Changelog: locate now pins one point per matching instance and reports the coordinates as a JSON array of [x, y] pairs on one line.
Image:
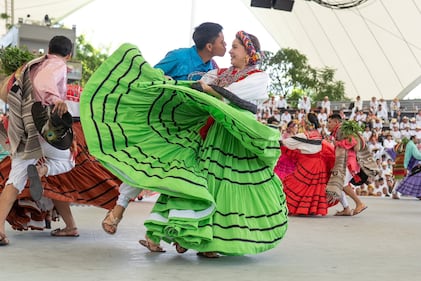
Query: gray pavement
[[382, 243]]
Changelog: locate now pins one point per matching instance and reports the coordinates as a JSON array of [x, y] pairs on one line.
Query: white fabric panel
[[375, 48]]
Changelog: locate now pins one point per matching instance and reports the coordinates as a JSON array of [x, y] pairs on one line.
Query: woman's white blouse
[[253, 88]]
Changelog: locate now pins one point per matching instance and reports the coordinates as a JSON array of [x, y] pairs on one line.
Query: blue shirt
[[179, 63], [411, 152]]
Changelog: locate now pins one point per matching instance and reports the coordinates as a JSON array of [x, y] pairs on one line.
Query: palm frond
[[351, 128]]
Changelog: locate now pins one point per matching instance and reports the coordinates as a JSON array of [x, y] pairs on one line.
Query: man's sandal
[[155, 248], [110, 223], [3, 240], [209, 255], [179, 249], [65, 232]]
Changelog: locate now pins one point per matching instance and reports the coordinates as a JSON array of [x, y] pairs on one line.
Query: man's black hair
[[60, 45], [206, 33], [335, 116], [312, 118], [272, 120]]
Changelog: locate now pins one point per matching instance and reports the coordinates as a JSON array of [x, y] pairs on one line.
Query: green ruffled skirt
[[218, 194]]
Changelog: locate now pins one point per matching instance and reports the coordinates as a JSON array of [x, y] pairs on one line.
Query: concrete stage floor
[[382, 243]]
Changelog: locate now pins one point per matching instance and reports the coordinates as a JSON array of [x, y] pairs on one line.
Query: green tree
[[292, 77], [6, 17], [288, 69], [327, 86], [295, 95], [90, 57], [12, 58]]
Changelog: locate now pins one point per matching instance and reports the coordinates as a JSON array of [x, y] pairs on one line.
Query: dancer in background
[[42, 80], [88, 183], [348, 142], [399, 171], [305, 187], [411, 184], [286, 164]]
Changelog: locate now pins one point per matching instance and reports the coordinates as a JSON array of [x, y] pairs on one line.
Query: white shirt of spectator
[[394, 106], [358, 104], [385, 170], [270, 104], [396, 134], [322, 117], [418, 118], [374, 104], [326, 105], [413, 123], [384, 104], [404, 123], [301, 114], [305, 103], [281, 103], [418, 133], [377, 149], [361, 117], [367, 133], [378, 124], [382, 113], [406, 133], [286, 117], [389, 142]]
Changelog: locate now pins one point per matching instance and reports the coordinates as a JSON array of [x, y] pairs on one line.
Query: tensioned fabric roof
[[375, 47]]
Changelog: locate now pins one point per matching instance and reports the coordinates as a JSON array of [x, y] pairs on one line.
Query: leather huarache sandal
[[151, 246], [3, 240], [65, 232], [209, 255], [179, 249], [110, 223]]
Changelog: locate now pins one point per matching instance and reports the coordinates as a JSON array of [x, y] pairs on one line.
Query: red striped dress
[[305, 187]]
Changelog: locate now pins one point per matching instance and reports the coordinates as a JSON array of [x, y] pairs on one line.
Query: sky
[[415, 93], [157, 27]]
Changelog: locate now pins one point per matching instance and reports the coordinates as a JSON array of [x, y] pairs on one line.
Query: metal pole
[[5, 12], [12, 13]]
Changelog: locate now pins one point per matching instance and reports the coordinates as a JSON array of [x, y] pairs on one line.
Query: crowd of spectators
[[384, 125]]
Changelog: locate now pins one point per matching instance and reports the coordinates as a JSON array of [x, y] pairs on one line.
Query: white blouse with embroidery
[[252, 88]]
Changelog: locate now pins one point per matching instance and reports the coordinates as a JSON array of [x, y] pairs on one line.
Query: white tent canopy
[[375, 47]]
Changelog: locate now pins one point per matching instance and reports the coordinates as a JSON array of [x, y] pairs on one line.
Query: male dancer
[[345, 169], [178, 64]]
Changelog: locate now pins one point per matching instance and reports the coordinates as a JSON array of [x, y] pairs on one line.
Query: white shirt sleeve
[[210, 76], [253, 88]]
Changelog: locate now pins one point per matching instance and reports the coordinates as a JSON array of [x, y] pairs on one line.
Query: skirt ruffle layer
[[87, 183]]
